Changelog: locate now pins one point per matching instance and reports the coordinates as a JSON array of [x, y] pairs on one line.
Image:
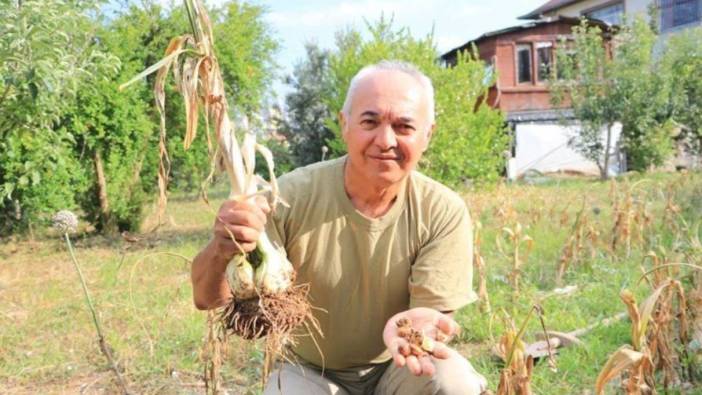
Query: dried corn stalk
[[583, 235], [479, 264], [635, 362], [515, 377], [631, 215], [521, 245]]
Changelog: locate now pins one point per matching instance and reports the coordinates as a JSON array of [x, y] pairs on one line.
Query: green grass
[[143, 295]]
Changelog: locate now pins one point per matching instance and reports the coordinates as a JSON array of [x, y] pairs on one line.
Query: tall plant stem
[[101, 338]]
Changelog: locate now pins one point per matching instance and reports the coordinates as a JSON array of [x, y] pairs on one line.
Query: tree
[[245, 51], [305, 125], [642, 89], [579, 82], [68, 138], [46, 55], [614, 82], [470, 137], [682, 61], [112, 137]]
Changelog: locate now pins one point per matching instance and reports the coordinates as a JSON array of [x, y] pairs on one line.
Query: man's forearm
[[210, 288]]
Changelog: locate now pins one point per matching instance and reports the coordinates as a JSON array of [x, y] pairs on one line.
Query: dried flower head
[[65, 221]]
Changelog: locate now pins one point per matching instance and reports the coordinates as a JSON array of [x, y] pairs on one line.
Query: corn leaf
[[623, 359], [646, 309], [172, 52]]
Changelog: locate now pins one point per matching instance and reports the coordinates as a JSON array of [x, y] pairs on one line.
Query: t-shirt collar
[[354, 215]]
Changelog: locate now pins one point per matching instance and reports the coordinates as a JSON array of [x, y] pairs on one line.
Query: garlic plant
[[265, 273]]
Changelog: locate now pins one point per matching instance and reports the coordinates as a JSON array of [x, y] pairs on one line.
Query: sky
[[295, 22], [454, 22]]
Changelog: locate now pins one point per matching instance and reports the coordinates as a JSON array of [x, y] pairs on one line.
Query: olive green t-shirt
[[361, 270]]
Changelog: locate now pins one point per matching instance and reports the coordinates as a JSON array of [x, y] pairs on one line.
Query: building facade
[[673, 15], [523, 57]]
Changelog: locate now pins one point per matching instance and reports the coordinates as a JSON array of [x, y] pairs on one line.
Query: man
[[375, 240]]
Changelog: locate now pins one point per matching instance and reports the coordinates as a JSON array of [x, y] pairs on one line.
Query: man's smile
[[381, 157]]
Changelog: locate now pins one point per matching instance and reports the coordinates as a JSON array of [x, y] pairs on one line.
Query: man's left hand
[[438, 326]]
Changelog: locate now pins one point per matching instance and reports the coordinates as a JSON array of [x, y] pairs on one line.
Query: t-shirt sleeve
[[442, 274]]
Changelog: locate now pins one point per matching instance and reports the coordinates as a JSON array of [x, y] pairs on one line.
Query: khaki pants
[[454, 376]]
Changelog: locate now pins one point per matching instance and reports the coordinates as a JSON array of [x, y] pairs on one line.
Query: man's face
[[388, 127]]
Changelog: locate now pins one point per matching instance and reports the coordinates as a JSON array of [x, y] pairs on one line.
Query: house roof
[[550, 5], [524, 26]]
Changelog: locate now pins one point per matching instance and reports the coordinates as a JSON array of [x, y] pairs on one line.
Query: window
[[611, 14], [676, 13], [523, 63], [544, 58], [489, 73]]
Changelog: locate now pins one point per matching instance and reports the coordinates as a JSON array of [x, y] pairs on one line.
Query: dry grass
[[143, 295]]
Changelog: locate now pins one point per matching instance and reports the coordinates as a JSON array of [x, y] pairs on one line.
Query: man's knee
[[456, 375], [288, 379]]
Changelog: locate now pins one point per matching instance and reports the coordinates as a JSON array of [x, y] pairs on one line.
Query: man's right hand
[[245, 220]]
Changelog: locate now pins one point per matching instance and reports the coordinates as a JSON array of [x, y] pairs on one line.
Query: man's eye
[[369, 123], [404, 128]]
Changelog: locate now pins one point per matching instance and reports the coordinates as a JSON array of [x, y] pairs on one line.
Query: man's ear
[[342, 122], [430, 133]]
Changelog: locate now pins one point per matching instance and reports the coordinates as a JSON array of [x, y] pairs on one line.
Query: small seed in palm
[[419, 343]]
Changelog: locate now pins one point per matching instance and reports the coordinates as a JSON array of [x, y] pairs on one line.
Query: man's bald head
[[391, 65]]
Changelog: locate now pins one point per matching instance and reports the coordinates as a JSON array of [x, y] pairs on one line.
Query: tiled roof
[[524, 26]]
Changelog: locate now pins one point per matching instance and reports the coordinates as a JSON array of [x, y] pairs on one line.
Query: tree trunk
[[604, 171], [136, 174], [104, 219]]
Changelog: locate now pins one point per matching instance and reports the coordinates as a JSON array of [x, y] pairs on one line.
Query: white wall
[[544, 147], [631, 8]]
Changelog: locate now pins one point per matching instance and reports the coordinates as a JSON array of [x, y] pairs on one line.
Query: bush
[[114, 139]]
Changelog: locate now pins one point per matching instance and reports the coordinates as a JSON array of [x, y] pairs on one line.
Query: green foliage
[[305, 126], [114, 126], [42, 63], [139, 37], [45, 58], [643, 92], [470, 137], [683, 63], [245, 52], [39, 176], [624, 85], [60, 110]]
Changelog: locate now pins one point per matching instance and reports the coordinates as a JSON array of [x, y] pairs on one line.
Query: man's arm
[[440, 282], [442, 273], [210, 288]]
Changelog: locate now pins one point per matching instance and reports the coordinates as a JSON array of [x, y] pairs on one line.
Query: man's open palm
[[432, 323]]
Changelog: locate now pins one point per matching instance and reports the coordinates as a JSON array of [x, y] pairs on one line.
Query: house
[[674, 15], [523, 57]]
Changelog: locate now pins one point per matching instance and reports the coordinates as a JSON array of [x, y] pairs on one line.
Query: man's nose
[[386, 139]]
